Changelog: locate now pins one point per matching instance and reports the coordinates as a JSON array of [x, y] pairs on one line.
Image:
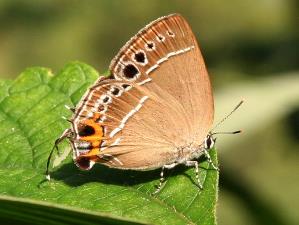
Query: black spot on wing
[[85, 130], [130, 71], [139, 57]]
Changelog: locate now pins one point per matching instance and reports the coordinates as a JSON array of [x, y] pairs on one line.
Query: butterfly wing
[[164, 101], [173, 63], [120, 120]]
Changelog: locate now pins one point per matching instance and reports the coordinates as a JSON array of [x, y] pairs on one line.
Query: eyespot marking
[[170, 33], [139, 57], [101, 108], [83, 163], [160, 38], [150, 46], [85, 130], [130, 71], [106, 99], [126, 87], [115, 91]]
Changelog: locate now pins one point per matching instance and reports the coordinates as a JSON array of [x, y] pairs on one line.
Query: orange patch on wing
[[93, 132], [96, 133], [92, 152]]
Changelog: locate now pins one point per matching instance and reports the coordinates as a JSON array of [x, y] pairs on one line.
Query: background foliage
[[250, 48]]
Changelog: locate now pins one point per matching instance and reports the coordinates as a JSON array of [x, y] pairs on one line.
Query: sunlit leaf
[[31, 108]]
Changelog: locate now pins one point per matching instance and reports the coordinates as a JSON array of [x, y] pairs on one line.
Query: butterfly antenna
[[228, 115], [229, 132]]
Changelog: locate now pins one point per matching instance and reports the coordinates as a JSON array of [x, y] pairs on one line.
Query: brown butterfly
[[154, 110]]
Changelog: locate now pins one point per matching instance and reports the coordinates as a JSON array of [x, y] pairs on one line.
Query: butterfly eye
[[209, 142]]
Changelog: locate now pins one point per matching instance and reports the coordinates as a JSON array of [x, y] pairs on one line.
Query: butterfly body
[[155, 109]]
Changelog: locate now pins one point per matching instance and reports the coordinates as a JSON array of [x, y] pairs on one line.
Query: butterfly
[[154, 110]]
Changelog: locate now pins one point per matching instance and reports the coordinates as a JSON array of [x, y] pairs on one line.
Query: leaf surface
[[31, 108], [26, 211]]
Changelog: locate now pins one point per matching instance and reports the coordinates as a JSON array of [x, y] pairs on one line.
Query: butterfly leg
[[66, 134], [207, 155], [162, 179], [72, 109], [195, 165]]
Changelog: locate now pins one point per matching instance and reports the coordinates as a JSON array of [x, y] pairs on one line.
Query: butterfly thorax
[[188, 152]]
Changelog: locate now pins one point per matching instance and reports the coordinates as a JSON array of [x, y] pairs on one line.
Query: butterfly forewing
[[176, 65], [154, 44]]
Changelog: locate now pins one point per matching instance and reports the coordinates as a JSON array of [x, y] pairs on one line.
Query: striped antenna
[[228, 115]]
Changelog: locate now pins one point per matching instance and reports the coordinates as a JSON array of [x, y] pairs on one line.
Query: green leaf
[[26, 211], [31, 108]]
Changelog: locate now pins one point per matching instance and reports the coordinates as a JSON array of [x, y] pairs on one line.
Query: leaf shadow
[[72, 176]]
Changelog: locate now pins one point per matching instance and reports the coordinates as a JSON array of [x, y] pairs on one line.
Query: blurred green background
[[251, 50]]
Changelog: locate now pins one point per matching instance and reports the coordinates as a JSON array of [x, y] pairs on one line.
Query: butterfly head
[[209, 141]]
